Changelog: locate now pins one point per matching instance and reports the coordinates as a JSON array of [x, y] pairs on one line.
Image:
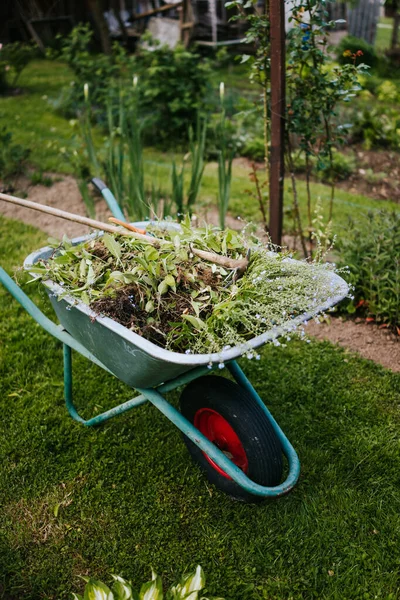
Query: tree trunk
[[96, 8], [117, 11]]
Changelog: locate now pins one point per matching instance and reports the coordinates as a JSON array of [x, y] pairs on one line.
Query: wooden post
[[277, 29], [213, 16], [96, 9]]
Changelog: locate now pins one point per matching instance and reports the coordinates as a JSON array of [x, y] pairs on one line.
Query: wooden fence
[[363, 19]]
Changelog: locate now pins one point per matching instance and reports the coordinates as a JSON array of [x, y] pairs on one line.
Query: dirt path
[[64, 194], [366, 339], [379, 345]]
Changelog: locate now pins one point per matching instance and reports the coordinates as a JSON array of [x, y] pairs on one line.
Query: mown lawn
[[125, 496], [384, 34]]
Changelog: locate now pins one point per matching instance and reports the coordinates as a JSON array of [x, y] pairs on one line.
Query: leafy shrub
[[373, 178], [373, 258], [388, 92], [254, 149], [370, 82], [17, 56], [13, 157], [13, 59], [343, 165], [97, 70], [172, 88], [377, 128], [369, 56], [188, 589]]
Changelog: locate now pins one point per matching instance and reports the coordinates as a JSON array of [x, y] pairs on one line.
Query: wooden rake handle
[[127, 229], [63, 214]]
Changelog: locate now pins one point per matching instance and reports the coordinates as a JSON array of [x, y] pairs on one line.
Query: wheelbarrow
[[227, 428]]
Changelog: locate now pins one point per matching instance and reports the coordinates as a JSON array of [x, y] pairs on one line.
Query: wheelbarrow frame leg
[[156, 398]]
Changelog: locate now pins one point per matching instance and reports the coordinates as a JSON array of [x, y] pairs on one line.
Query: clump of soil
[[124, 307]]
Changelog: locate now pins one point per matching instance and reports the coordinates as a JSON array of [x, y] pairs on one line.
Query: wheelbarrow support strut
[[155, 397]]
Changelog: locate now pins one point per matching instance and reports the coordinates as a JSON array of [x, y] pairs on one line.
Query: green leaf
[[91, 276], [115, 276], [76, 596], [196, 307], [152, 590], [149, 306], [112, 245], [122, 590], [151, 253], [97, 590], [82, 269], [245, 58], [163, 287], [53, 241], [167, 282], [170, 281], [63, 259], [194, 582], [195, 321]]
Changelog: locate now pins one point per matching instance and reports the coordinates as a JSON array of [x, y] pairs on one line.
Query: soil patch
[[63, 194], [377, 175], [379, 345]]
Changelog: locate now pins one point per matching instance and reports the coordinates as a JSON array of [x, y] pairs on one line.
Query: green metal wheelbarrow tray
[[227, 427]]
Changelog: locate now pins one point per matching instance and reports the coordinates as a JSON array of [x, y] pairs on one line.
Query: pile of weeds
[[182, 302]]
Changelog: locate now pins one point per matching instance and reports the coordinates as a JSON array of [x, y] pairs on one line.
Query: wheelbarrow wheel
[[230, 418]]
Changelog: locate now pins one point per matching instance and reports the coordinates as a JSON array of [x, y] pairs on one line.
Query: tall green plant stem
[[197, 146], [295, 197], [259, 196], [309, 215], [325, 119], [333, 183], [225, 158]]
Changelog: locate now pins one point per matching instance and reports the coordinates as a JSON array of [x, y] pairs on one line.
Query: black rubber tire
[[251, 425]]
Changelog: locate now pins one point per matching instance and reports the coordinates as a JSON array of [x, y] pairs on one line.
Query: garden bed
[[377, 174]]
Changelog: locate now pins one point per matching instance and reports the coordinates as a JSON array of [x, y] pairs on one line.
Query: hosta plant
[[189, 588]]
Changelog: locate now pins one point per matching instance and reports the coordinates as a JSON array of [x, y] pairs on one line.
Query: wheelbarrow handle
[[109, 198], [55, 330]]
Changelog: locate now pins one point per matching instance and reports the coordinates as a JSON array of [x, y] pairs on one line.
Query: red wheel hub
[[217, 429]]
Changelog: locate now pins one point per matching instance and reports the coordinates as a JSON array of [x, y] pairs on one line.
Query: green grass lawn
[[30, 118], [384, 33], [125, 496]]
